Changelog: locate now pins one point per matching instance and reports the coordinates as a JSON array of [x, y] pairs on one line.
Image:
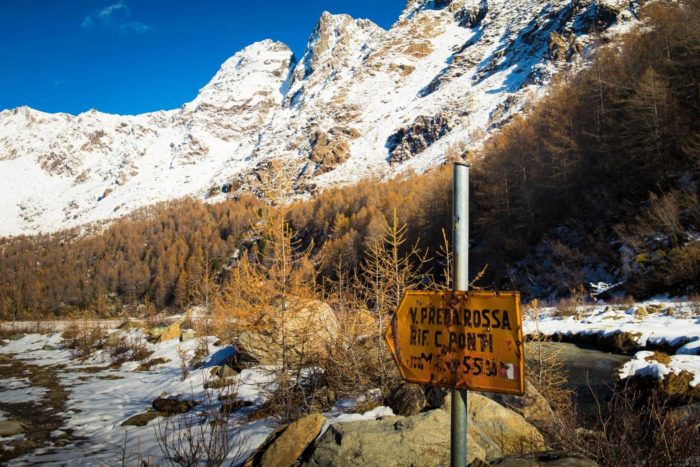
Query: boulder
[[141, 419], [11, 427], [310, 326], [406, 399], [532, 405], [171, 332], [223, 371], [424, 439], [171, 406], [641, 312], [286, 444]]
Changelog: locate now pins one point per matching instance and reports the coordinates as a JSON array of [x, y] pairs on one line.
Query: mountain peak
[[334, 41], [363, 102], [258, 68]]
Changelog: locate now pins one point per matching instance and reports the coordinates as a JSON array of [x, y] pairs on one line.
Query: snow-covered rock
[[332, 117]]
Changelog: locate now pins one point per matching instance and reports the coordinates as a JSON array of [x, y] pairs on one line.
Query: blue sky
[[134, 56]]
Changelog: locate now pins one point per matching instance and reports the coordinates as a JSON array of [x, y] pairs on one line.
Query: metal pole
[[460, 282]]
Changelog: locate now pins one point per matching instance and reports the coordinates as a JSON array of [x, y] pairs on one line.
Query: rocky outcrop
[[470, 16], [414, 139], [558, 46], [329, 151], [423, 439], [532, 405]]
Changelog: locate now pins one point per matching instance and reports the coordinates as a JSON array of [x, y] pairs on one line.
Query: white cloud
[[116, 17]]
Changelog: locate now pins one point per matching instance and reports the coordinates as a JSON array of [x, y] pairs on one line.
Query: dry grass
[[203, 436], [660, 357], [12, 330], [121, 349], [570, 306], [83, 338], [626, 300]]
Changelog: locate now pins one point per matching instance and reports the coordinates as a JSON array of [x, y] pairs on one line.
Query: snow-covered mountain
[[361, 102]]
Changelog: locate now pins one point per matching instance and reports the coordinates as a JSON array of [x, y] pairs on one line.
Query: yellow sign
[[467, 340]]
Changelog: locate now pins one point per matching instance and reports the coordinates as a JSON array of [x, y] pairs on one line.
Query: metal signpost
[[460, 339]]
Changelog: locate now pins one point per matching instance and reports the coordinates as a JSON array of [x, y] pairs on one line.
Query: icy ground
[[652, 324], [101, 398]]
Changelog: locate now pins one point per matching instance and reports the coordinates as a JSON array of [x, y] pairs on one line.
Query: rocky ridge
[[362, 102]]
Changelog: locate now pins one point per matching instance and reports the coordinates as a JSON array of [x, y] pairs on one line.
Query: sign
[[466, 340]]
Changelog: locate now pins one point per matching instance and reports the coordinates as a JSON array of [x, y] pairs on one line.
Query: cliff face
[[361, 102]]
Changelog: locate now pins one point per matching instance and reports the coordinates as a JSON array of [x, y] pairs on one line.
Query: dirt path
[[41, 416]]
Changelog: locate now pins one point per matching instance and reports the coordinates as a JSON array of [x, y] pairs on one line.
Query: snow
[[101, 398], [643, 364], [27, 394], [59, 171], [656, 328], [680, 330]]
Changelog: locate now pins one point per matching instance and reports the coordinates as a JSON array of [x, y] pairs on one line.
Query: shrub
[[83, 338], [126, 349]]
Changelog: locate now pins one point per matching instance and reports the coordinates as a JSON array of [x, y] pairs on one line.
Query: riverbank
[[662, 336]]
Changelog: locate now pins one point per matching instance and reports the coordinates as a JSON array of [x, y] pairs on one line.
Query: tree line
[[602, 172]]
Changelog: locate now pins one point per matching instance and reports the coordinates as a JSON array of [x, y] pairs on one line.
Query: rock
[[146, 366], [219, 383], [686, 413], [172, 406], [532, 405], [171, 332], [471, 16], [424, 439], [14, 337], [305, 318], [242, 360], [187, 335], [641, 312], [11, 427], [155, 332], [286, 444], [406, 399], [141, 419], [328, 151], [48, 347], [558, 46], [422, 133], [549, 458], [229, 406], [323, 399], [434, 397]]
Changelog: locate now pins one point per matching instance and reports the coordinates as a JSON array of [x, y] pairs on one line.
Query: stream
[[590, 373]]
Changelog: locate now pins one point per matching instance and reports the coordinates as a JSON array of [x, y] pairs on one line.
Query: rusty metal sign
[[466, 340]]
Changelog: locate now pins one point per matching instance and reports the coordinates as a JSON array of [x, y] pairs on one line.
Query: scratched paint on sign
[[468, 340]]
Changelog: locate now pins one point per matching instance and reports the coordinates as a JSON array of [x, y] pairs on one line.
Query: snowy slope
[[361, 102]]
